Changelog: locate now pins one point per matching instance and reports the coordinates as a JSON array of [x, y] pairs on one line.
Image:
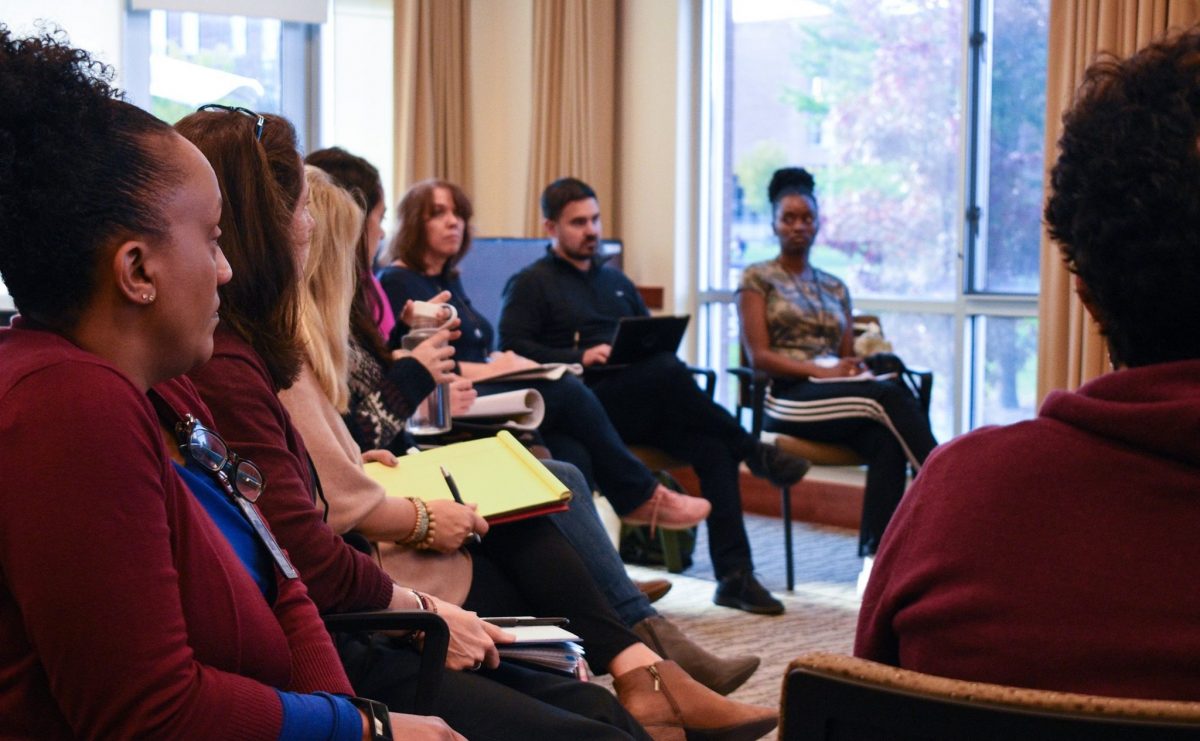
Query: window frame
[[971, 305], [299, 48]]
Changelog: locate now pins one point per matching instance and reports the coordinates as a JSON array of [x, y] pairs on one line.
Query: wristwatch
[[380, 723]]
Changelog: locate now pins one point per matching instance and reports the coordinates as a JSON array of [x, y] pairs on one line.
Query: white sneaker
[[864, 576]]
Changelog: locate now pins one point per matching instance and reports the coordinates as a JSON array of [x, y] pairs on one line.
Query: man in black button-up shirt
[[564, 308]]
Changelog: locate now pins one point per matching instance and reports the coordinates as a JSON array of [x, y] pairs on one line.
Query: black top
[[553, 311], [402, 284]]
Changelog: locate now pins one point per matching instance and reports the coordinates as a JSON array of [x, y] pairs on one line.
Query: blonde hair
[[329, 284]]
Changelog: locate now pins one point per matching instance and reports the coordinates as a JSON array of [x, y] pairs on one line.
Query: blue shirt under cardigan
[[316, 717]]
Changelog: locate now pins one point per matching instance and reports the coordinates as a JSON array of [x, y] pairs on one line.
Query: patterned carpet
[[821, 612]]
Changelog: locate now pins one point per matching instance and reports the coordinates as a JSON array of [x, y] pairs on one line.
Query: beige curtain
[[1070, 348], [574, 101], [432, 81]]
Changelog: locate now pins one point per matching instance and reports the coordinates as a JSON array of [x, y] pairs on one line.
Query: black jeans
[[577, 430], [511, 703], [529, 568], [848, 424], [657, 402]]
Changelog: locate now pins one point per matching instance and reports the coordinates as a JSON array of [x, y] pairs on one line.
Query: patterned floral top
[[806, 314]]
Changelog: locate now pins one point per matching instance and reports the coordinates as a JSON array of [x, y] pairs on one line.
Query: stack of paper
[[547, 646]]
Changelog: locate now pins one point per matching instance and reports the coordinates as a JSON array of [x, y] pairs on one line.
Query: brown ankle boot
[[668, 641], [663, 696]]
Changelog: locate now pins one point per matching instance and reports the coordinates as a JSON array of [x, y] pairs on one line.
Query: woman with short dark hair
[[797, 327]]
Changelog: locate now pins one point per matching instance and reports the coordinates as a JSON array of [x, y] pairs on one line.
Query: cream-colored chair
[[830, 696]]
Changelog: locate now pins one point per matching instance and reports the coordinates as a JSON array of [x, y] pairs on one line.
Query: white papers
[[522, 409], [544, 645], [540, 633], [546, 371], [864, 376]]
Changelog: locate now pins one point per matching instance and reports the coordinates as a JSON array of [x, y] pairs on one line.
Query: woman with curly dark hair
[[139, 599], [1056, 553]]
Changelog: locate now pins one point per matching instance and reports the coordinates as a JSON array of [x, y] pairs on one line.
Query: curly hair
[[416, 207], [260, 182], [1125, 203], [80, 171]]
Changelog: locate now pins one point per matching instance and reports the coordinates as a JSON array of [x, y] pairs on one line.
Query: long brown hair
[[416, 207], [261, 182]]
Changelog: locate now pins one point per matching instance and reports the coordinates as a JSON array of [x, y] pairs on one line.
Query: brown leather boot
[[662, 696], [654, 589], [668, 641]]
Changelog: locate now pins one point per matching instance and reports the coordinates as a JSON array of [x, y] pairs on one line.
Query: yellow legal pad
[[497, 473]]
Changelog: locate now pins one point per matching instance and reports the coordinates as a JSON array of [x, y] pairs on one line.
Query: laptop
[[639, 337]]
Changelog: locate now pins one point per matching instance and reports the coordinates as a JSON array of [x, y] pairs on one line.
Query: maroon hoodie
[[1059, 553]]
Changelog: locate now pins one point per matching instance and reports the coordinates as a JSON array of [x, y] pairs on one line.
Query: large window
[[178, 60], [923, 123]]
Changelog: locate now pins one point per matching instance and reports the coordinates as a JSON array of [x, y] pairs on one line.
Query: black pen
[[457, 497], [502, 622]]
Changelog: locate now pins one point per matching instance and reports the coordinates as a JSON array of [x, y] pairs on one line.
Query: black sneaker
[[741, 591], [768, 462]]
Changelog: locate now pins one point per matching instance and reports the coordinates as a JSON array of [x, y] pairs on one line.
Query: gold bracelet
[[427, 542], [421, 522]]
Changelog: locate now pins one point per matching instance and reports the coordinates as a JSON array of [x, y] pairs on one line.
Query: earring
[[148, 298]]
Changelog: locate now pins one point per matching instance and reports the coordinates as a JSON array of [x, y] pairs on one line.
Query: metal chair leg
[[786, 495]]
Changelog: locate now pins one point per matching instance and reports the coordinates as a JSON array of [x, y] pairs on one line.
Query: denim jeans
[[582, 528]]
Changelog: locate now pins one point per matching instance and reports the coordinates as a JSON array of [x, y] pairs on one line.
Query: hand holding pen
[[474, 536]]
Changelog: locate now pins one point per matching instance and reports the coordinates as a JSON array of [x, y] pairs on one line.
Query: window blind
[[299, 11]]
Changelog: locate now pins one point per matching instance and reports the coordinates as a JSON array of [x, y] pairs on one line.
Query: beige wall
[[95, 25], [654, 163], [655, 160], [501, 113]]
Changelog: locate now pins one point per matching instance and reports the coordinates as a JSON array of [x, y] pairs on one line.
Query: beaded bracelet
[[427, 542], [421, 523]]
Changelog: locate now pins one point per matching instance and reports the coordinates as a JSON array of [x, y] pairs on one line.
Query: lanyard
[[174, 422]]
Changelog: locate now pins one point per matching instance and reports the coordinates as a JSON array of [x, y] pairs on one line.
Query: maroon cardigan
[[123, 610], [237, 388]]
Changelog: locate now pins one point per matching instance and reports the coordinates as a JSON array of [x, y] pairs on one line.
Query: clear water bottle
[[432, 415]]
